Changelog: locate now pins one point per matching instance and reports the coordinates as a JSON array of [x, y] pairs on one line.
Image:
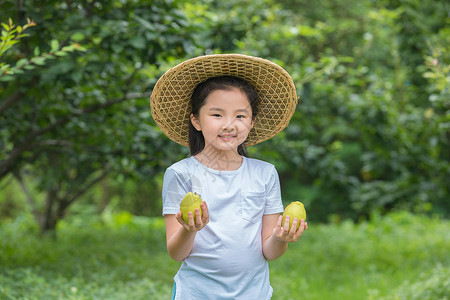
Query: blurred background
[[367, 150]]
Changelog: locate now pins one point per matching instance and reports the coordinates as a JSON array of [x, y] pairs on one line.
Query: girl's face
[[225, 120]]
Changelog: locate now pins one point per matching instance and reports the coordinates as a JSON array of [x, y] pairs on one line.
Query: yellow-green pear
[[295, 209], [190, 202]]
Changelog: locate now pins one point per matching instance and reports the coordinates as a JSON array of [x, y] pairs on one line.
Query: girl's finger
[[286, 224], [205, 212], [198, 218], [301, 229], [278, 226], [191, 220], [294, 225]]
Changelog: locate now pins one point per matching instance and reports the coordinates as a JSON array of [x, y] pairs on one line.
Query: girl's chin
[[225, 144]]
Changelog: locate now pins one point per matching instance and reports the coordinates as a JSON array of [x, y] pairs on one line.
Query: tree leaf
[[22, 62], [36, 51], [77, 36], [54, 44], [38, 60], [5, 26]]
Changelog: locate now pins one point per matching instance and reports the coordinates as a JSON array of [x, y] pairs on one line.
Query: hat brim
[[171, 96]]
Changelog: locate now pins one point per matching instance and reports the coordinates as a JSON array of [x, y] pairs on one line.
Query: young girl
[[217, 105]]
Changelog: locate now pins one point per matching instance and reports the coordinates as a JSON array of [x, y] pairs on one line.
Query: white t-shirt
[[226, 261]]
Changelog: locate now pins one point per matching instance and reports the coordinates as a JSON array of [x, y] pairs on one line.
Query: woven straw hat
[[170, 99]]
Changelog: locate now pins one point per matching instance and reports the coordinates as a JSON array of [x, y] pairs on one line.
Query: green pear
[[295, 209], [190, 202]]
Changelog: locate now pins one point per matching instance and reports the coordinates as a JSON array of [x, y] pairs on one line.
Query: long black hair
[[198, 99]]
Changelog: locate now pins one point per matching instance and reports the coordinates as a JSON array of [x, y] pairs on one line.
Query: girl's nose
[[228, 125]]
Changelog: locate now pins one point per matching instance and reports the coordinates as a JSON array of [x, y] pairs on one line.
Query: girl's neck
[[220, 160]]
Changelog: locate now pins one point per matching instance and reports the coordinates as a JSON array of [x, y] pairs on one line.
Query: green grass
[[399, 256], [365, 261]]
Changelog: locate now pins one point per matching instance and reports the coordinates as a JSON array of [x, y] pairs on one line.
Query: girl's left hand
[[286, 235]]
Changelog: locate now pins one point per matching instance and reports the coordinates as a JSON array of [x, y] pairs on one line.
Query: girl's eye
[[240, 116], [216, 115]]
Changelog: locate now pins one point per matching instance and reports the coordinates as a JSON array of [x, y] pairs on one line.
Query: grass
[[365, 261], [399, 256]]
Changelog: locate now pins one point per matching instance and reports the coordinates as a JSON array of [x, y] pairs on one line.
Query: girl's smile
[[227, 137]]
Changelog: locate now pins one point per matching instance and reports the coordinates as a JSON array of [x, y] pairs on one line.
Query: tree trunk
[[48, 221]]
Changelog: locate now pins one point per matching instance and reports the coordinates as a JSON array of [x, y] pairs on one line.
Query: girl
[[217, 105]]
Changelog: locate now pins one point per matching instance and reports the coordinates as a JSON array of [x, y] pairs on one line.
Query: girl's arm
[[180, 236], [275, 238]]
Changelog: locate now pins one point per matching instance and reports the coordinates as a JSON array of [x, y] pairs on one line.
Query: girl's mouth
[[227, 137]]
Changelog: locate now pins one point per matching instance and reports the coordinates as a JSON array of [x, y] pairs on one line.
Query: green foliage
[[85, 116], [11, 36], [370, 260], [431, 285], [38, 287], [120, 256], [370, 133], [117, 257]]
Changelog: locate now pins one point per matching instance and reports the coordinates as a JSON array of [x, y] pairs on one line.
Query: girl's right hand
[[200, 221]]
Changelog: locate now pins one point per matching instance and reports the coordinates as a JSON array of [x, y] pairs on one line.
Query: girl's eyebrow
[[221, 109], [216, 108]]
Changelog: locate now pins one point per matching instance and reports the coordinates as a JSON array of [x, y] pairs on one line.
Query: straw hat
[[170, 99]]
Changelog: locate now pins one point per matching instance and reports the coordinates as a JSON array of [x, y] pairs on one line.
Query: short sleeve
[[274, 203], [173, 191]]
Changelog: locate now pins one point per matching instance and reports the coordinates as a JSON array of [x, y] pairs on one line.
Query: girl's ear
[[195, 122]]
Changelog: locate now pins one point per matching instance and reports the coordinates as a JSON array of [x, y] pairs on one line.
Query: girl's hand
[[286, 235], [196, 222]]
